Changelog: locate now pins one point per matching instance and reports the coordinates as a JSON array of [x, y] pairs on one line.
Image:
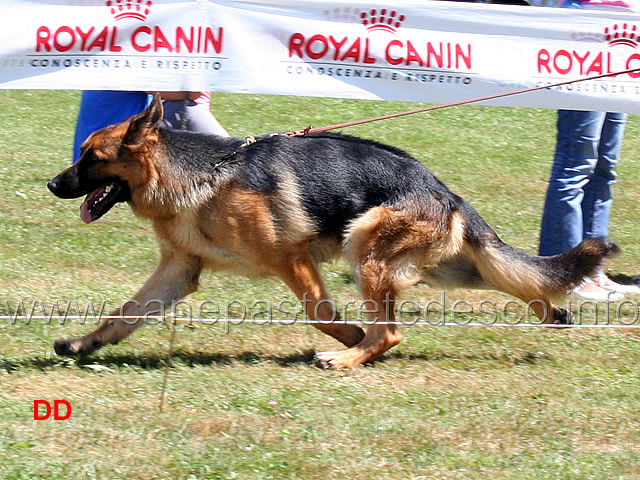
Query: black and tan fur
[[281, 205]]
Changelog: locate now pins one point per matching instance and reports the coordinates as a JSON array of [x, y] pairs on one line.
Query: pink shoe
[[591, 290]]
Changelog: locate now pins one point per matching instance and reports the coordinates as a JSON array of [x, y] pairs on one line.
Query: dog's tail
[[534, 278]]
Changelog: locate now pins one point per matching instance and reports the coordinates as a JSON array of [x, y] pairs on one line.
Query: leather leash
[[308, 130]]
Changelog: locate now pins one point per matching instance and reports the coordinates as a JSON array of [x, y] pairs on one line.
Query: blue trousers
[[101, 108], [579, 196]]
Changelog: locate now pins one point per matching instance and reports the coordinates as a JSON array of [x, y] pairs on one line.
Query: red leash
[[300, 133]]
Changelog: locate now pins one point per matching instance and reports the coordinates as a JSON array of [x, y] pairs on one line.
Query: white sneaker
[[605, 282], [589, 289]]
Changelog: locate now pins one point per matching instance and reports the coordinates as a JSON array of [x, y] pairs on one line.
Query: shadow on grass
[[518, 358], [180, 358], [153, 361]]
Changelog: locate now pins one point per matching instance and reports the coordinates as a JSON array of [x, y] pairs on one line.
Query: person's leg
[[598, 193], [574, 161]]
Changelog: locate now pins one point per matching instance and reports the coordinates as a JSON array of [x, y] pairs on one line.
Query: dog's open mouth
[[99, 202]]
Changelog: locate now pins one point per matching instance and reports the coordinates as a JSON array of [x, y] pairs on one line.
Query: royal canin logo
[[200, 39], [383, 19], [622, 34], [193, 39], [137, 9], [587, 61], [359, 49]]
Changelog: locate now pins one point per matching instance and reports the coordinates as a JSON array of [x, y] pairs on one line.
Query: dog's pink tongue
[[85, 215], [90, 202]]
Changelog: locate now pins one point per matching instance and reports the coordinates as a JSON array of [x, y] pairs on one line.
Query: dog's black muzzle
[[67, 184], [54, 185]]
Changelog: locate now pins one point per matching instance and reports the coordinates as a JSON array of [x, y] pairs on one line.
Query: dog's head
[[115, 162]]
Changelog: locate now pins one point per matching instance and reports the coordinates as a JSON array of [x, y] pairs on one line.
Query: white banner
[[403, 50]]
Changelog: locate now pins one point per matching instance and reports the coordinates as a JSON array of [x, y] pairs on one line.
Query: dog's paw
[[321, 363], [325, 360], [337, 360], [70, 347], [63, 348], [562, 316]]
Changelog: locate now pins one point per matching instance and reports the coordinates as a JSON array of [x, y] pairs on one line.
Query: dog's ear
[[145, 124]]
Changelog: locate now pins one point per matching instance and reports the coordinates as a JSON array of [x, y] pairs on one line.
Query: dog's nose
[[53, 184]]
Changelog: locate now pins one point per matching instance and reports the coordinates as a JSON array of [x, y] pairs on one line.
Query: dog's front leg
[[175, 277]]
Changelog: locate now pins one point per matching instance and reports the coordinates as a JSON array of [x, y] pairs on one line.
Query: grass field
[[246, 401]]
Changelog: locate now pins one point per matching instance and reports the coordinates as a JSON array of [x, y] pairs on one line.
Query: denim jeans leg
[[573, 165], [598, 193]]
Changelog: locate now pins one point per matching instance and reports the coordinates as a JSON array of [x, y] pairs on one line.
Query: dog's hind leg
[[175, 277], [387, 248], [301, 275], [381, 334]]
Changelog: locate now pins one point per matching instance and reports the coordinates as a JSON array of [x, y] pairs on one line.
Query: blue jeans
[[579, 196]]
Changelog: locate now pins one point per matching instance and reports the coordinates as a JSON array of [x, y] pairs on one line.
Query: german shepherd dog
[[284, 204]]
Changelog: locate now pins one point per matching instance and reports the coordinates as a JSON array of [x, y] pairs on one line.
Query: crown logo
[[138, 9], [622, 34], [383, 19]]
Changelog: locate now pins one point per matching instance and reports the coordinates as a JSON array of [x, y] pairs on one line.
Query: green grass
[[247, 402]]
